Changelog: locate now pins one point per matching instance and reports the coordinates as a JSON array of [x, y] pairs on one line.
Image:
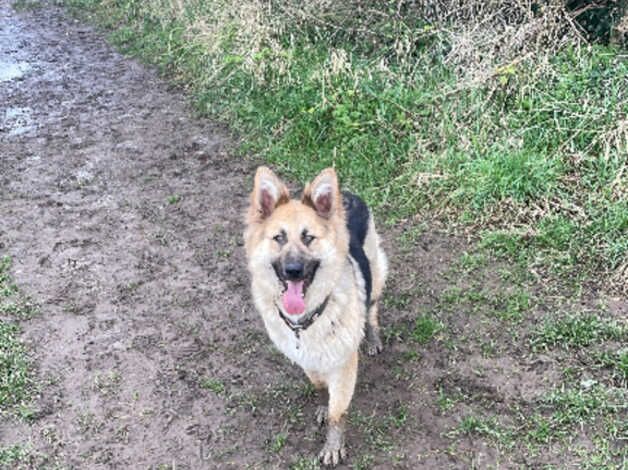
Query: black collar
[[305, 322]]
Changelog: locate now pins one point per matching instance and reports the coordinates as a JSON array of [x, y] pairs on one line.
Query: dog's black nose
[[294, 270]]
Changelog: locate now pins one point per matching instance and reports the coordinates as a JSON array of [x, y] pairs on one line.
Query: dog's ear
[[268, 193], [323, 194]]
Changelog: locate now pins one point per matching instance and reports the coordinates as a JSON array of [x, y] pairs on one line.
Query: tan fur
[[328, 349]]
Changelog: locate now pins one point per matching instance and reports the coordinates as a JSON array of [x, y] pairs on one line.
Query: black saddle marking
[[358, 224]]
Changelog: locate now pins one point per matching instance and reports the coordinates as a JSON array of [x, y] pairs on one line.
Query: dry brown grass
[[478, 39]]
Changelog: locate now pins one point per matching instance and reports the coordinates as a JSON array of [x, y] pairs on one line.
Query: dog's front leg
[[320, 385], [341, 384]]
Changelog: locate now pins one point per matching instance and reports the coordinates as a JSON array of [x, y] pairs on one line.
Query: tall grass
[[495, 116]]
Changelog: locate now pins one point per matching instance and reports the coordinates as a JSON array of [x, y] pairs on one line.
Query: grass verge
[[534, 152], [15, 374]]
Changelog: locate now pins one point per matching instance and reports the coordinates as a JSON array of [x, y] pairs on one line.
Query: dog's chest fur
[[333, 336]]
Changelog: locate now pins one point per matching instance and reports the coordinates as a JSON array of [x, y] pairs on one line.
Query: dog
[[317, 272]]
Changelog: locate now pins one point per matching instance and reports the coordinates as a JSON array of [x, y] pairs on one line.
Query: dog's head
[[296, 248]]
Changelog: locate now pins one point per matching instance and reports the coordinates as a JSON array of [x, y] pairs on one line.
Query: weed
[[11, 456], [617, 361], [515, 305], [397, 300], [107, 383], [501, 243], [21, 5], [363, 462], [446, 401], [425, 328], [305, 464], [277, 443], [488, 348], [13, 303], [541, 430], [376, 429], [472, 261], [14, 367], [410, 237], [570, 406], [400, 415], [395, 331], [410, 356], [451, 295], [487, 427], [215, 385]]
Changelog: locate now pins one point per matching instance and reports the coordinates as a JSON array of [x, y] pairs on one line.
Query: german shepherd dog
[[317, 272]]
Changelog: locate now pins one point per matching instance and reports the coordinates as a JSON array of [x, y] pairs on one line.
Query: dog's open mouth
[[293, 298], [293, 295]]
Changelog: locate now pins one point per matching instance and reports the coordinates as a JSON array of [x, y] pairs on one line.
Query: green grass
[[13, 303], [617, 361], [277, 443], [15, 376], [14, 367], [471, 261], [446, 401], [174, 199], [305, 464], [575, 406], [11, 456], [490, 155], [484, 427], [376, 430], [425, 328], [513, 306], [557, 414], [563, 411], [510, 305], [577, 331], [25, 5], [215, 385]]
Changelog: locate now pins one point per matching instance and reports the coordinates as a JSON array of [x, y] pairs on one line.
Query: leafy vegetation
[[14, 377], [535, 148], [578, 330], [425, 328], [15, 380]]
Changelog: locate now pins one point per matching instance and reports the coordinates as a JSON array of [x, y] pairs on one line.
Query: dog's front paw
[[333, 451], [321, 415], [374, 346]]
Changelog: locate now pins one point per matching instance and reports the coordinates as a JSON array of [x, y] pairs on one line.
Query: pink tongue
[[293, 298]]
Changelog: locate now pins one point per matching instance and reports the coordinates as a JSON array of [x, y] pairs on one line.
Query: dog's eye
[[280, 237], [306, 238]]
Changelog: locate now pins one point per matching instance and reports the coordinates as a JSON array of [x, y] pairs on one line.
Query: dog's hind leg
[[379, 271], [373, 341], [341, 384]]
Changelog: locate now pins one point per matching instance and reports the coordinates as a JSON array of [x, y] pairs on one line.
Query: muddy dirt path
[[122, 213]]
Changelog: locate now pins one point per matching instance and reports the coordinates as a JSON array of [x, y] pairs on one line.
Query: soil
[[122, 213]]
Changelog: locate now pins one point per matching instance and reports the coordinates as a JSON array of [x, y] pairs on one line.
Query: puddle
[[17, 121], [13, 70]]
